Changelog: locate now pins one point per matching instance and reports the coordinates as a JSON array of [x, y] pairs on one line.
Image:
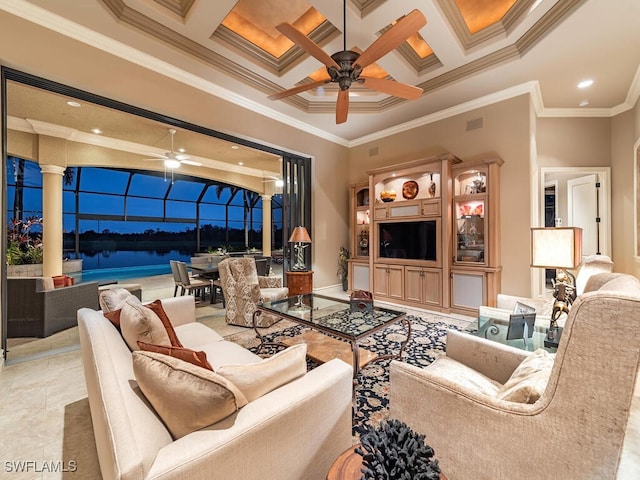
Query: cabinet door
[[413, 284], [468, 290], [432, 286], [380, 212], [396, 282], [359, 276], [380, 280]]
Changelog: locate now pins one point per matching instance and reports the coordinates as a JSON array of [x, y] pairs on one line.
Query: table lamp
[[300, 238], [559, 248]]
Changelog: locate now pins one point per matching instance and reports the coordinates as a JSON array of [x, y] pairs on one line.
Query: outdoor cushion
[[138, 322]]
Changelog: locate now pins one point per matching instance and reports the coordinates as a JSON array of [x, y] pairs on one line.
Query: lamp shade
[[556, 247], [300, 235]]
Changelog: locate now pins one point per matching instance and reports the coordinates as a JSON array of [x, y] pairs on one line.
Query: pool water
[[104, 275]]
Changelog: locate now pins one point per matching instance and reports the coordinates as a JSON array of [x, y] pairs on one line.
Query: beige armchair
[[243, 288], [591, 264], [575, 430]]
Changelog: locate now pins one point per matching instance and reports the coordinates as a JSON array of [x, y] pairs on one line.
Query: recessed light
[[585, 83], [583, 103], [240, 163], [235, 147], [393, 174], [73, 104], [97, 131], [181, 150]]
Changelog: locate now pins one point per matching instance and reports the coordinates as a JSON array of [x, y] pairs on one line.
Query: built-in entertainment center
[[425, 233]]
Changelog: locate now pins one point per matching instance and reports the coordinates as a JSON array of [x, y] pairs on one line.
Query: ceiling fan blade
[[342, 106], [398, 33], [308, 45], [191, 162], [392, 87], [298, 89]]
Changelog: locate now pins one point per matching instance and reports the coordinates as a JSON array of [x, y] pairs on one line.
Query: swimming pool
[[120, 273]]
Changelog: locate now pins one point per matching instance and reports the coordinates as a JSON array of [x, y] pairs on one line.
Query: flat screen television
[[411, 240]]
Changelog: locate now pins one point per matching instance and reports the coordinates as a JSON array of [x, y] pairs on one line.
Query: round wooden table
[[347, 466]]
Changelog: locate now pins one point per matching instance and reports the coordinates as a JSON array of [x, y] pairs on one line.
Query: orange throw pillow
[[114, 317], [196, 358], [156, 307]]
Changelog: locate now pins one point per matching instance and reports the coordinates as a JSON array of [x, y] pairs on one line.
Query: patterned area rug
[[428, 337]]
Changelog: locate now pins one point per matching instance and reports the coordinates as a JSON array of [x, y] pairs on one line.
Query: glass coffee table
[[493, 324], [337, 323]]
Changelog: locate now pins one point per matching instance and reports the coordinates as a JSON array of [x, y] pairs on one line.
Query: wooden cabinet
[[388, 281], [299, 283], [475, 266], [432, 233], [423, 285]]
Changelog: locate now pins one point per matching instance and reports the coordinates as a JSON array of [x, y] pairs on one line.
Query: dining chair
[[176, 277], [192, 284]]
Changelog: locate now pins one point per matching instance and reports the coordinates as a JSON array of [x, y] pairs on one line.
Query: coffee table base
[[322, 348]]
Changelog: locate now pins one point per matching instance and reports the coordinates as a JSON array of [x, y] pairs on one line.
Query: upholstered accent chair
[[591, 264], [243, 288], [577, 426]]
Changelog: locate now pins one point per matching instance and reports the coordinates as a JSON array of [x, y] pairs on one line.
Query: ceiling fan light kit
[[345, 67]]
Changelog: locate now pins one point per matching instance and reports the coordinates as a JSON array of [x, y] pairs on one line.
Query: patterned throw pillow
[[138, 322], [257, 379], [186, 397], [195, 358], [529, 380]]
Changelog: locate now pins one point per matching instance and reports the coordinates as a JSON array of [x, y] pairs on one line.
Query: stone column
[[52, 219], [266, 225]]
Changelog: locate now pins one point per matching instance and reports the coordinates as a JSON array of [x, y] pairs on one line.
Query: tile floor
[[45, 424]]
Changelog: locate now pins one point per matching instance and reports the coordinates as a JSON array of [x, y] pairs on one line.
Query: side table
[[299, 283]]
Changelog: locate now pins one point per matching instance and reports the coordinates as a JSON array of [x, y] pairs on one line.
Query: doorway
[[576, 197]]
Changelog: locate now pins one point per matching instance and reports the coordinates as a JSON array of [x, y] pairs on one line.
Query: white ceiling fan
[[173, 160]]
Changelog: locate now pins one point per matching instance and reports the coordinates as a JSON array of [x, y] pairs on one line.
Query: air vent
[[373, 151], [475, 124]]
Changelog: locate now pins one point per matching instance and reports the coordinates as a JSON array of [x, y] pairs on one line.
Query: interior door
[[582, 211]]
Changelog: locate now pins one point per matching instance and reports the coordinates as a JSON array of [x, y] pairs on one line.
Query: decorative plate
[[409, 190]]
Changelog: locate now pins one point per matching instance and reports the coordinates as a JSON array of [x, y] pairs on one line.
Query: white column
[[52, 219], [266, 225]]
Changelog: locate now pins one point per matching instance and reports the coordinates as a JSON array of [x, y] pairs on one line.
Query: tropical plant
[[23, 246], [343, 265]]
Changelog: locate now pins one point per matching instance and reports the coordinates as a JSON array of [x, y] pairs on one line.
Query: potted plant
[[23, 246], [394, 451], [343, 266]]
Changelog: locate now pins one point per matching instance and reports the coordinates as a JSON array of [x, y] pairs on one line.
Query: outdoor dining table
[[204, 270]]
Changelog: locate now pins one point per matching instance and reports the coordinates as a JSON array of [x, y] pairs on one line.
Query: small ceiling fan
[[173, 160], [346, 67]]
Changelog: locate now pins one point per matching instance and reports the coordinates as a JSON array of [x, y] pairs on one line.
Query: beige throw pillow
[[186, 397], [529, 380], [139, 323], [114, 298], [257, 379]]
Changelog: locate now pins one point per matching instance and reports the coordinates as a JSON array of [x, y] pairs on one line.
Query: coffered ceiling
[[470, 53]]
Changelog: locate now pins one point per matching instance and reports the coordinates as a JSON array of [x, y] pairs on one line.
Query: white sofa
[[293, 432]]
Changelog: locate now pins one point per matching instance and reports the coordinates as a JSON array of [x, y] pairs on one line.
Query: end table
[[299, 282]]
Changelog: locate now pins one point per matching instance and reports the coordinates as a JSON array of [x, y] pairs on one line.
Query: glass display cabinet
[[475, 268]]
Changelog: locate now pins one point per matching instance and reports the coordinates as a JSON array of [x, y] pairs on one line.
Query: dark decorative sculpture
[[393, 451]]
